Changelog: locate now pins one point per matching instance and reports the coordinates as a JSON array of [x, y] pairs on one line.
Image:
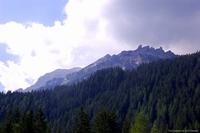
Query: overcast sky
[[39, 36]]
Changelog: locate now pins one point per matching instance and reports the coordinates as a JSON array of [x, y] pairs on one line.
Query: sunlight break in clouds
[[77, 41]]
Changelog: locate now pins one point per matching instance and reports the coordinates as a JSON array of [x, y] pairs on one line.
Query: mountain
[[58, 74], [126, 60], [167, 91]]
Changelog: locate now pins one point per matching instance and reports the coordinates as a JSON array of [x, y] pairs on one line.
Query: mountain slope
[[127, 60], [168, 91], [57, 74]]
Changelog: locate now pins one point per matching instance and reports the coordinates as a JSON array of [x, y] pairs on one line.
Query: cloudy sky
[[39, 36]]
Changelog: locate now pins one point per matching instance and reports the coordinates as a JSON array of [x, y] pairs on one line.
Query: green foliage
[[24, 122], [82, 125], [8, 122], [141, 124], [126, 126], [40, 123], [154, 129], [105, 122], [168, 91]]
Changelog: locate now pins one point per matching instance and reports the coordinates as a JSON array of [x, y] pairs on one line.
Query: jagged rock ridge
[[126, 60]]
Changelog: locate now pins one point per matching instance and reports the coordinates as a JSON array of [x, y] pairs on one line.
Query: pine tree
[[16, 128], [23, 124], [30, 121], [126, 126], [154, 129], [17, 115], [105, 122], [27, 122], [141, 124], [8, 122], [113, 123], [58, 130], [82, 125], [40, 123]]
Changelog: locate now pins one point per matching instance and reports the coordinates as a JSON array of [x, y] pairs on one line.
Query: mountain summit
[[131, 59], [126, 60]]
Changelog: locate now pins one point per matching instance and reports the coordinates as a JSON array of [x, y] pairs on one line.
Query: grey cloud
[[91, 25], [154, 22]]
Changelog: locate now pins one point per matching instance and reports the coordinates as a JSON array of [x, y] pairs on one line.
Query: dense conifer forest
[[156, 97]]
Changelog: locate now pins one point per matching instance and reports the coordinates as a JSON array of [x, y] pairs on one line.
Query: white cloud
[[93, 29], [12, 76], [77, 41]]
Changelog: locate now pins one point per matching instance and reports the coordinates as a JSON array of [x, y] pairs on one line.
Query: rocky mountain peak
[[126, 60]]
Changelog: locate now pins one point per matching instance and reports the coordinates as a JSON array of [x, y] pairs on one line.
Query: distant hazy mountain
[[126, 60], [58, 74]]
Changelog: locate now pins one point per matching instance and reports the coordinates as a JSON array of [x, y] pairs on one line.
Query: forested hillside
[[167, 91]]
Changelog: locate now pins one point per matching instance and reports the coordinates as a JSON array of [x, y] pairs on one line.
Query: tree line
[[26, 122], [166, 91], [105, 122]]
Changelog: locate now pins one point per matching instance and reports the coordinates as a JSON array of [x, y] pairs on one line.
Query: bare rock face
[[47, 80], [127, 60]]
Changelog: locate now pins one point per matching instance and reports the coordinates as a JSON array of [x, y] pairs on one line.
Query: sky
[[39, 36]]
